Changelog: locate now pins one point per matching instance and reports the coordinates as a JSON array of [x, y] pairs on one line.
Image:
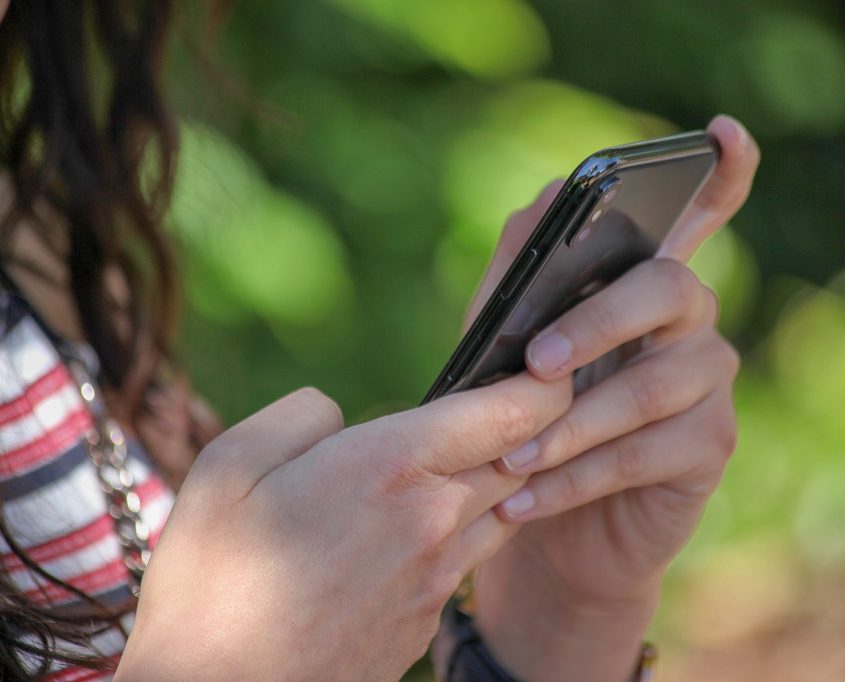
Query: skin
[[626, 472], [302, 550], [267, 564]]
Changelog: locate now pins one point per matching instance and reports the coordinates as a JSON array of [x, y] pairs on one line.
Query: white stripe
[[85, 560], [155, 513], [11, 384], [25, 356], [45, 415], [59, 508], [71, 503]]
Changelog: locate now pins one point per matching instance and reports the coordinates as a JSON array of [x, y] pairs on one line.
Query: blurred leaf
[[791, 68], [488, 38], [819, 518], [808, 349], [526, 136], [260, 247]]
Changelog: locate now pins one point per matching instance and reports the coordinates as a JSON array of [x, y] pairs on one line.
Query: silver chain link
[[107, 450]]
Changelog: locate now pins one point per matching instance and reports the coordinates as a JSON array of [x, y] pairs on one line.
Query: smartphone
[[612, 213]]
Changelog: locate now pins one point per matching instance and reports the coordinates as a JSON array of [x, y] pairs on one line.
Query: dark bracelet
[[469, 659]]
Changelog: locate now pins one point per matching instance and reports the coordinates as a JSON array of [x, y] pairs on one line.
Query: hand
[[626, 472], [301, 550]]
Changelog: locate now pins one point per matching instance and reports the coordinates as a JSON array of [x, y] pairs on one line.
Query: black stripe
[[114, 597], [12, 310], [51, 472]]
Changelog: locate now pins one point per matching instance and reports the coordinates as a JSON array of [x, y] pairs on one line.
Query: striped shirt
[[51, 498]]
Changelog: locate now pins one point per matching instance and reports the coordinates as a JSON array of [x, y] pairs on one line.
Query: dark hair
[[107, 172]]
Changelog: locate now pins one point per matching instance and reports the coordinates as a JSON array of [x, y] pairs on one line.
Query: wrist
[[567, 639]]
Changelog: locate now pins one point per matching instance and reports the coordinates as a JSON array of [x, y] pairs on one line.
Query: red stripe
[[76, 674], [63, 545], [150, 490], [48, 446], [84, 537], [56, 379], [155, 536], [112, 575]]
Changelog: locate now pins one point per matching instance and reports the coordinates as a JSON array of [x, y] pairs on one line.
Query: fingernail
[[742, 135], [519, 458], [550, 352], [519, 503]]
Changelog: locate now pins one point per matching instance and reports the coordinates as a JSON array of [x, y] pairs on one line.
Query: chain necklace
[[107, 450]]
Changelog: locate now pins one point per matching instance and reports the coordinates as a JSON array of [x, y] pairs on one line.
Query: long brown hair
[[107, 170]]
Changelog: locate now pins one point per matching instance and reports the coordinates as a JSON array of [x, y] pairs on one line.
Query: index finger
[[470, 428], [656, 295]]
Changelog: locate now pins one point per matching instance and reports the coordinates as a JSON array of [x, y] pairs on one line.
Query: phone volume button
[[527, 260]]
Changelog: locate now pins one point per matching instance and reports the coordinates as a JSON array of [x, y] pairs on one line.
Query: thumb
[[723, 194]]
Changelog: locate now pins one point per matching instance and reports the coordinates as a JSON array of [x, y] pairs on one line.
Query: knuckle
[[435, 537], [518, 223], [571, 486], [710, 303], [603, 319], [513, 422], [725, 431], [630, 463], [677, 280], [515, 218], [217, 459], [568, 440], [320, 404], [437, 591], [394, 478], [649, 395], [733, 360]]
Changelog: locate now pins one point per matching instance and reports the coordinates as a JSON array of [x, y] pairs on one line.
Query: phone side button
[[527, 260]]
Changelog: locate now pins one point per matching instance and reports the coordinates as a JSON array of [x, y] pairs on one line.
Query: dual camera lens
[[608, 193]]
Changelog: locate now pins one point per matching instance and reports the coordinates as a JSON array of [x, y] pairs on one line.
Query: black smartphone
[[612, 213]]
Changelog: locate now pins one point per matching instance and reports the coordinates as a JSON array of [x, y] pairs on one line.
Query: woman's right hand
[[301, 550]]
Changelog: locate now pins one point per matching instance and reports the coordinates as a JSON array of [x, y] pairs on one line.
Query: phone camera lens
[[598, 214], [609, 196]]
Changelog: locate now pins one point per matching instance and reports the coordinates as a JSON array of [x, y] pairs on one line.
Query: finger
[[660, 296], [688, 451], [279, 433], [464, 430], [479, 541], [518, 228], [651, 389], [479, 490], [723, 194]]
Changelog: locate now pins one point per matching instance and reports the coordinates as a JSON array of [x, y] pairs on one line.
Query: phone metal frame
[[560, 222]]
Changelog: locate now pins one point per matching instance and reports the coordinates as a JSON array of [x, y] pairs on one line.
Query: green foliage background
[[339, 246]]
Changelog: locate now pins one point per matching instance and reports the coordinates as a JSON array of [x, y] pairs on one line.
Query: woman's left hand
[[620, 481]]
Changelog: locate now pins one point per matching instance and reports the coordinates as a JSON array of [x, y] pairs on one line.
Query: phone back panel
[[587, 254]]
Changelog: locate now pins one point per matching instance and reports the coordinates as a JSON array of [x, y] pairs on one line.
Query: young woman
[[297, 548]]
